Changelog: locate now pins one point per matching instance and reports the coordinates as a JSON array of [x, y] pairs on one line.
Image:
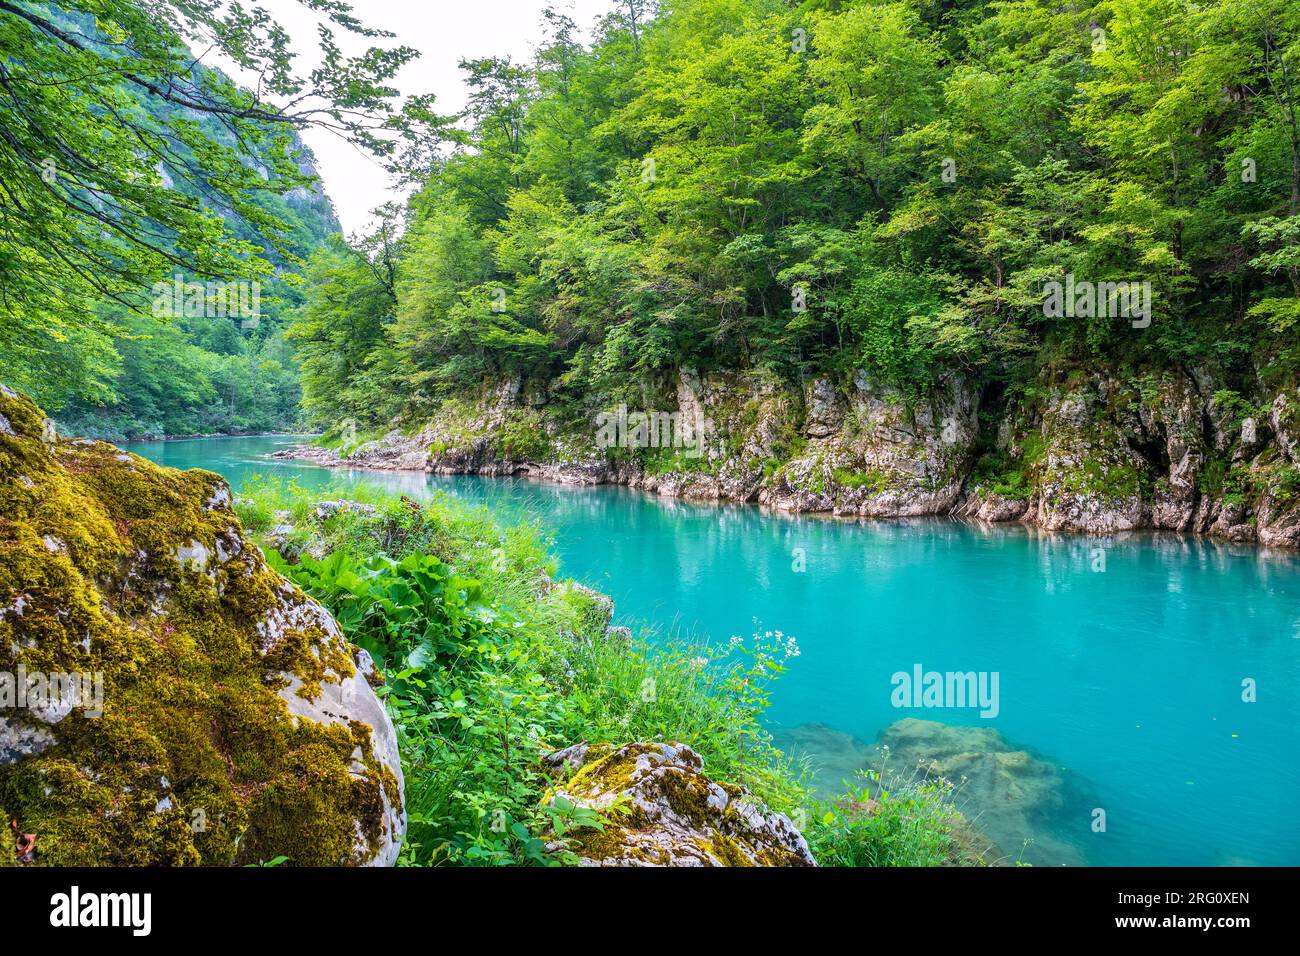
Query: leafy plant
[[873, 825], [487, 667]]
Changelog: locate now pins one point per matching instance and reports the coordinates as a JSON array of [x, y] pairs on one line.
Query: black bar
[[306, 906]]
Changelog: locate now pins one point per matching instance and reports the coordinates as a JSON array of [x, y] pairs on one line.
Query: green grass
[[999, 474], [523, 438], [1222, 480], [882, 821]]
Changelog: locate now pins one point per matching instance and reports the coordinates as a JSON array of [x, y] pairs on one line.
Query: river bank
[[1093, 455]]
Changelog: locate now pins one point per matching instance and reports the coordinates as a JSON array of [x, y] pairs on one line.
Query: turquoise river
[[1125, 667]]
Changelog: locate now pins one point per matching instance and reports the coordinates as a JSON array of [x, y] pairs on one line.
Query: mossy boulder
[[230, 721], [663, 811]]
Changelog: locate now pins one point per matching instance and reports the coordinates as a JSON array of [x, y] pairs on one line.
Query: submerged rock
[[666, 812], [838, 765], [833, 758], [1022, 803], [1026, 806], [229, 722]]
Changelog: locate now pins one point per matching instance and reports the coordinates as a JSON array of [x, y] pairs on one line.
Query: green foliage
[[887, 823], [187, 376], [126, 163], [488, 666], [710, 696], [522, 438], [1222, 480], [1234, 408], [663, 461], [998, 474], [875, 185], [874, 481]]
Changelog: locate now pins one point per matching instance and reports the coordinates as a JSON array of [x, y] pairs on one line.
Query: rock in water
[[671, 813], [208, 711], [1024, 804]]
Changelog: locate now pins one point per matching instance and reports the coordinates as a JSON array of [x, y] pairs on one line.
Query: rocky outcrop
[[876, 454], [1094, 452], [663, 811], [206, 710], [1088, 477]]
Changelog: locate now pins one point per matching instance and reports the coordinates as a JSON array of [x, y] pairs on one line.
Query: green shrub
[[1220, 479], [1284, 483], [488, 666], [876, 481], [872, 825], [663, 461], [522, 438], [999, 474]]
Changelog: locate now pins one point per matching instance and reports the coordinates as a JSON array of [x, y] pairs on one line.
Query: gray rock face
[[990, 507], [1284, 417], [1088, 479], [875, 454], [670, 813], [1020, 801], [1098, 453], [825, 408], [343, 702]]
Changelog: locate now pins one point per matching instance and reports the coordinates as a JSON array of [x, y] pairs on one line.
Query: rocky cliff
[[1095, 452], [165, 697]]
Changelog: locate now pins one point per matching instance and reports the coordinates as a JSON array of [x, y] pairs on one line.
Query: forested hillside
[[207, 373], [1016, 261], [917, 170], [107, 362], [895, 250]]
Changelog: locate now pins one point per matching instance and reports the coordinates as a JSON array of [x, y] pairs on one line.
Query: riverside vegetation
[[491, 664]]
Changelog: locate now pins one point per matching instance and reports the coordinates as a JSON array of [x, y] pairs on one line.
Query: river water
[[1146, 708]]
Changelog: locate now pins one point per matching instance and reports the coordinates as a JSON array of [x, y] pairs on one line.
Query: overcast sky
[[444, 31]]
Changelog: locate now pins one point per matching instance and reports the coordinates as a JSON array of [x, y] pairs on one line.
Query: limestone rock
[[1088, 478], [1092, 451], [991, 507], [824, 408], [230, 721], [668, 813]]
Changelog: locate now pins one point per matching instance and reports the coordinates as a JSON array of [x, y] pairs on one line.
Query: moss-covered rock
[[663, 811], [230, 721]]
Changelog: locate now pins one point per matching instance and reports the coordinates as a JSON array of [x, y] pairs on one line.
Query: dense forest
[[205, 373], [821, 187], [805, 188]]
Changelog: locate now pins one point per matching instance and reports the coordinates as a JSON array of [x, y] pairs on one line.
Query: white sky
[[444, 31]]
